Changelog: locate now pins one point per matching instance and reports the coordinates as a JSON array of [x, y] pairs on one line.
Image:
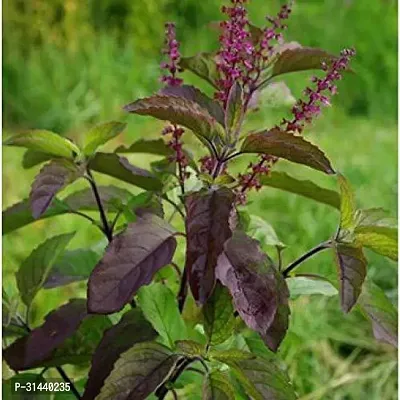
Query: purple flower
[[239, 59], [236, 51], [305, 111], [172, 52]]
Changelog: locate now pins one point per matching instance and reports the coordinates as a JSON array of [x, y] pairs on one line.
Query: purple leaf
[[180, 111], [191, 93], [306, 188], [130, 261], [259, 291], [290, 147], [51, 179], [352, 267], [131, 329], [39, 344], [207, 229], [156, 146], [120, 168], [381, 311], [300, 59]]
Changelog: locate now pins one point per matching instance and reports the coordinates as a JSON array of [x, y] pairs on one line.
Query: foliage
[[237, 287]]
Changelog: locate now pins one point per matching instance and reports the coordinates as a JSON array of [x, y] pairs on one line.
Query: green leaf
[[232, 355], [374, 229], [120, 168], [52, 178], [11, 391], [34, 270], [155, 146], [290, 147], [45, 142], [190, 348], [352, 267], [300, 59], [203, 65], [374, 217], [301, 285], [257, 347], [234, 108], [180, 111], [138, 372], [217, 386], [219, 320], [160, 308], [33, 158], [382, 313], [305, 188], [12, 325], [224, 180], [71, 266], [100, 135], [262, 379], [379, 239], [262, 231], [347, 204]]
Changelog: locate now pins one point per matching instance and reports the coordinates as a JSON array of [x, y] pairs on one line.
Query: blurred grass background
[[68, 64]]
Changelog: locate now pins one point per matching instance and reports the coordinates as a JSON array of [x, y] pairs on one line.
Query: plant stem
[[103, 217], [182, 291], [173, 204], [163, 390], [112, 227], [220, 164], [279, 252], [177, 270], [310, 253], [67, 380]]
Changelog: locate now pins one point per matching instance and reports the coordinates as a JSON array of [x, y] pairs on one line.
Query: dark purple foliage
[[290, 147], [352, 267], [120, 168], [131, 329], [38, 345], [207, 229], [51, 179], [130, 261], [259, 292]]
